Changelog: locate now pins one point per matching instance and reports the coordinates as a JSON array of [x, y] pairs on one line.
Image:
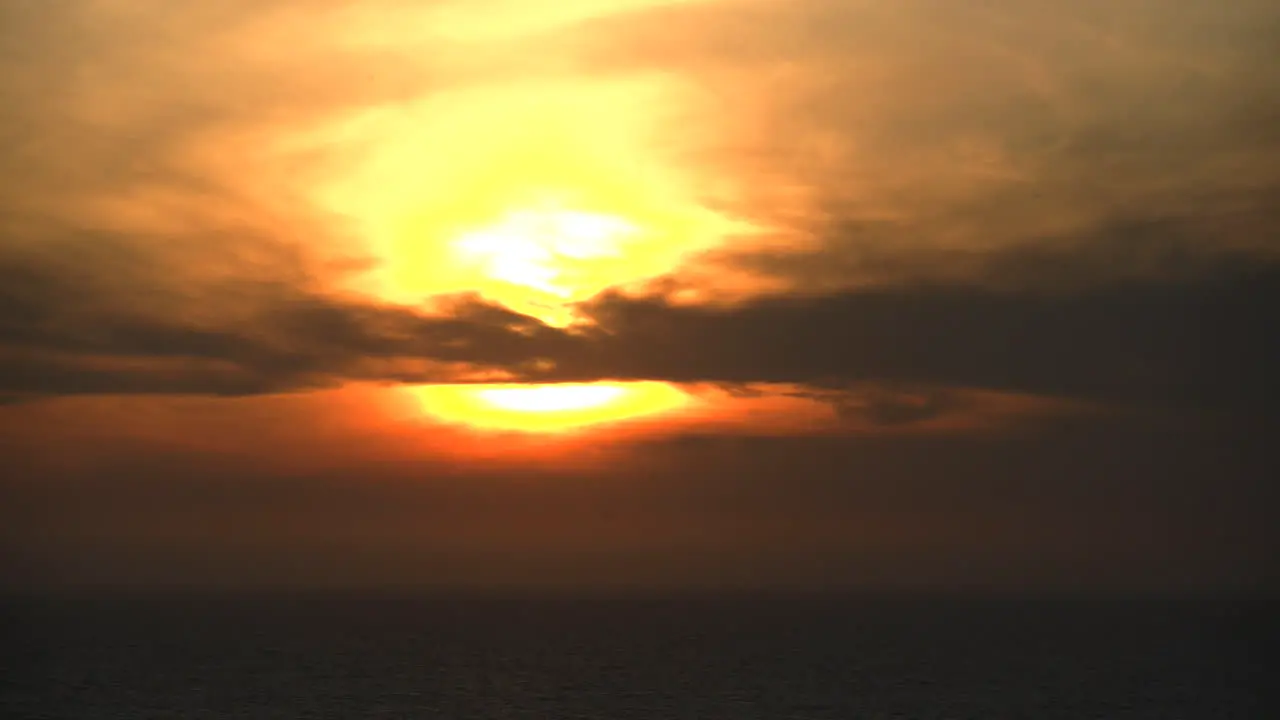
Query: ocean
[[776, 658]]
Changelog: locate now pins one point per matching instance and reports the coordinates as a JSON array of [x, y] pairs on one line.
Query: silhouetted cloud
[[1191, 340], [1200, 341], [59, 334]]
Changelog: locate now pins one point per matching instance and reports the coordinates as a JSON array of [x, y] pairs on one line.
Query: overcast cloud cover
[[930, 168], [1074, 200], [1098, 156]]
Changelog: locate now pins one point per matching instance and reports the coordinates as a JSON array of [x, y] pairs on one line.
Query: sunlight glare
[[535, 194], [546, 408], [540, 249], [551, 398]]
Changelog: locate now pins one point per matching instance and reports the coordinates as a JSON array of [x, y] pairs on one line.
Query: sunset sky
[[619, 294]]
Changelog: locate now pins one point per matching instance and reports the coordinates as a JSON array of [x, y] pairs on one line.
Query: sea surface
[[699, 658]]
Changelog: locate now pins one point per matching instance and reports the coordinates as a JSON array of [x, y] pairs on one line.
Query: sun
[[551, 398], [554, 408], [536, 195], [540, 260]]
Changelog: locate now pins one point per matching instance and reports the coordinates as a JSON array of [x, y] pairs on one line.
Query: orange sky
[[591, 236]]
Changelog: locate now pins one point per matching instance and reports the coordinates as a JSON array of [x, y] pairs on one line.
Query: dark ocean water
[[840, 658]]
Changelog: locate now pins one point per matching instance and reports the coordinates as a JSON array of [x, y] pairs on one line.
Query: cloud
[[156, 229], [1195, 338], [979, 215], [1192, 342], [61, 334], [1032, 197], [909, 141]]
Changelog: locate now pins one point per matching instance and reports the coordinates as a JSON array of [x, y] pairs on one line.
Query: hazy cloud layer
[[1037, 197], [1196, 342], [1202, 342], [62, 334], [911, 140]]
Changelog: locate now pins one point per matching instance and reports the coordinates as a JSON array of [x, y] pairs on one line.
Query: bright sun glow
[[543, 256], [536, 195], [551, 398], [539, 262], [547, 408]]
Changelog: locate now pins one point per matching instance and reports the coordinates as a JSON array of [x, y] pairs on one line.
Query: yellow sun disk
[[549, 254], [546, 408], [551, 398]]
